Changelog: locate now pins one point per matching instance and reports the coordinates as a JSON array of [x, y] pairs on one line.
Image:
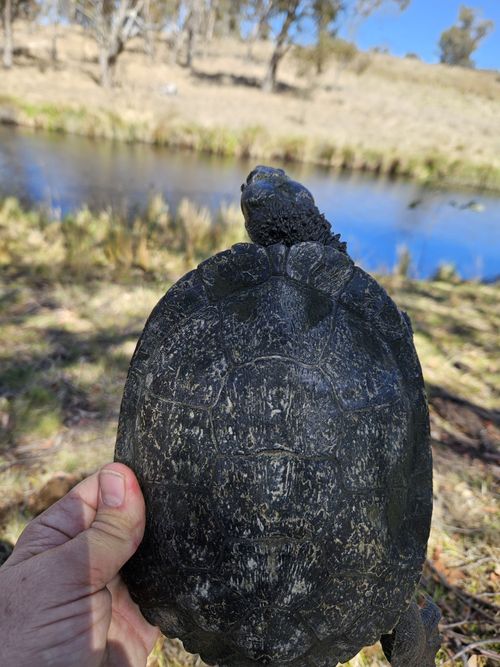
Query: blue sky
[[419, 27]]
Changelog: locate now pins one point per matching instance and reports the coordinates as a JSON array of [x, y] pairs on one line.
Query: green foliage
[[291, 149], [459, 42], [348, 157], [365, 8], [317, 56], [326, 14], [36, 411], [446, 273]]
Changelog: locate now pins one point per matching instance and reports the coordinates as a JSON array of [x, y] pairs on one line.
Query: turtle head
[[279, 210]]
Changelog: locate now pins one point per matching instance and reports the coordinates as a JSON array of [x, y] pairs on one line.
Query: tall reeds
[[158, 243]]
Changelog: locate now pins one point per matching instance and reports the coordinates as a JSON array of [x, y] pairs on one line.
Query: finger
[[127, 620], [104, 547], [61, 522]]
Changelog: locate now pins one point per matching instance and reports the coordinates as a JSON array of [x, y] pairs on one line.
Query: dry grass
[[158, 244], [382, 114], [66, 338]]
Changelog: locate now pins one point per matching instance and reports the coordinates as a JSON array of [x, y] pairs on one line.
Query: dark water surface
[[374, 216]]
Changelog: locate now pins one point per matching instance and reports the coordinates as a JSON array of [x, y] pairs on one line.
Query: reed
[[105, 244]]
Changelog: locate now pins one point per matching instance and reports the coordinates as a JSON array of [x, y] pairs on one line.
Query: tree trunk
[[280, 48], [53, 49], [190, 47], [269, 82], [55, 30], [149, 43], [53, 45], [106, 69], [149, 35], [211, 20], [175, 50], [8, 47], [108, 57], [192, 28]]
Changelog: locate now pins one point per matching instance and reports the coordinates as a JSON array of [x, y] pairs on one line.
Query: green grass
[[434, 168]]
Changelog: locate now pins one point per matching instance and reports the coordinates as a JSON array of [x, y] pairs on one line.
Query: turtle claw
[[415, 640]]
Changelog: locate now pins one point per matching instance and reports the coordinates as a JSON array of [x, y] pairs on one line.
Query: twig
[[455, 625], [468, 598], [468, 564], [471, 647]]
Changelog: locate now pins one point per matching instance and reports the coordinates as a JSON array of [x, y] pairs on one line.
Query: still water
[[376, 217]]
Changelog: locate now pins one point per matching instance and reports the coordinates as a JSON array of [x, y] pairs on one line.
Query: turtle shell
[[275, 416]]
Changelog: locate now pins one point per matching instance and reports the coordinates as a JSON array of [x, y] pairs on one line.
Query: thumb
[[116, 530]]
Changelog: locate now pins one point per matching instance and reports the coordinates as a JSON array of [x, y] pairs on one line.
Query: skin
[[62, 602], [279, 210]]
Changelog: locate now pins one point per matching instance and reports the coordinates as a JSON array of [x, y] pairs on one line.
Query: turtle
[[275, 416]]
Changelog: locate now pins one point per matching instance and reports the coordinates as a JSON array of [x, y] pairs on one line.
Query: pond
[[377, 217]]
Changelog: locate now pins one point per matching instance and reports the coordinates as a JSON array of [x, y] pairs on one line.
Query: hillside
[[379, 113]]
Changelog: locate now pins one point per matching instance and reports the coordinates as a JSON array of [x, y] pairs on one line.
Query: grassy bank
[[379, 113], [74, 296], [254, 142], [159, 244]]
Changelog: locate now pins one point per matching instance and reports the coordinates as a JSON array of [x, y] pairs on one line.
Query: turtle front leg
[[415, 640]]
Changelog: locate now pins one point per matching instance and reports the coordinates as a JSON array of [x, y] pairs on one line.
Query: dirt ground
[[378, 102]]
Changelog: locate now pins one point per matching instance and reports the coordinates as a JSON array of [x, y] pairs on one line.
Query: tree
[[192, 28], [258, 12], [199, 20], [459, 42], [7, 34], [289, 15], [365, 8], [325, 14], [112, 24], [11, 10], [228, 16], [317, 56]]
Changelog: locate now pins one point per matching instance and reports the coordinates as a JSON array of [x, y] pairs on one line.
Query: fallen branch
[[473, 646]]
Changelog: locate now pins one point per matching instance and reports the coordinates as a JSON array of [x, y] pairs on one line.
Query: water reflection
[[375, 217]]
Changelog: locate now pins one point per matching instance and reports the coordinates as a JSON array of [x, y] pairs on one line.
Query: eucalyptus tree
[[8, 46], [111, 23], [257, 13], [459, 42], [10, 11], [205, 18], [193, 15], [364, 8], [287, 17], [325, 15]]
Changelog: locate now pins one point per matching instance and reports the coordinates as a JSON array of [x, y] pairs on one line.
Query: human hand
[[62, 601]]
